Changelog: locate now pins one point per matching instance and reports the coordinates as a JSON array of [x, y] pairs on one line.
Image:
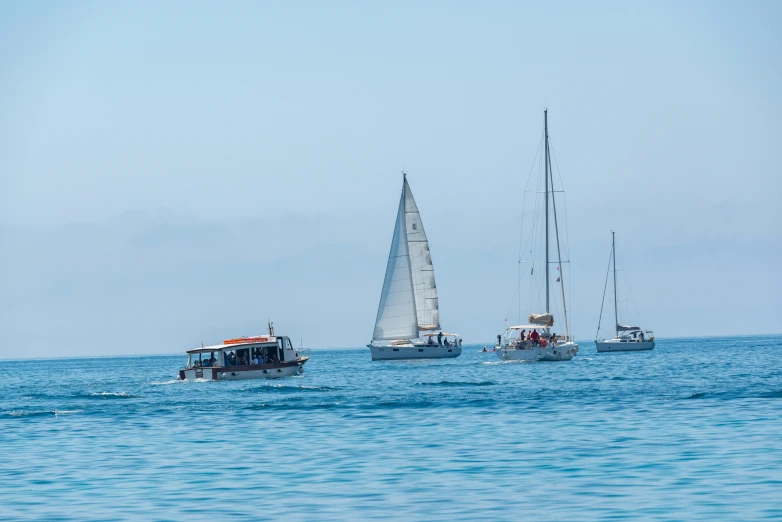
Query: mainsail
[[396, 315], [424, 286]]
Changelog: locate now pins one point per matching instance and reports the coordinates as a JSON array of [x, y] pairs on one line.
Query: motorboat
[[257, 357]]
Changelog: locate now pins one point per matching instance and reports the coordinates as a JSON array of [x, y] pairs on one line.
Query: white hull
[[619, 345], [222, 373], [386, 353], [562, 352]]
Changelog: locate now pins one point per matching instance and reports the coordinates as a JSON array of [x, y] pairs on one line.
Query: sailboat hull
[[617, 345], [388, 353], [562, 352]]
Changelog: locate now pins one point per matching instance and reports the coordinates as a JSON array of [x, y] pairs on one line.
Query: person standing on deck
[[439, 338]]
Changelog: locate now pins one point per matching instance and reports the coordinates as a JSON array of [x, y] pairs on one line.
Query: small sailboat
[[542, 344], [408, 302], [628, 338]]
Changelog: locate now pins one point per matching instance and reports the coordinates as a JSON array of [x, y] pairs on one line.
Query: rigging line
[[564, 197], [559, 255], [529, 178], [524, 205], [602, 303]]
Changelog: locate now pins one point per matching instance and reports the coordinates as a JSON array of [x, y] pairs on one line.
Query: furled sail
[[396, 315], [541, 319], [625, 328], [424, 286]]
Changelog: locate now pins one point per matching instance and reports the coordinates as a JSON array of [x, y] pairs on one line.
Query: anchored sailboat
[[408, 302], [541, 344], [628, 338]]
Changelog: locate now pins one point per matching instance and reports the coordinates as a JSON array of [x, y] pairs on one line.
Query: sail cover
[[541, 319], [396, 315], [624, 328], [424, 286]]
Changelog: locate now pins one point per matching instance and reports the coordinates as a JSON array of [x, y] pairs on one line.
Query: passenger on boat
[[521, 337], [430, 342], [244, 360], [446, 343], [553, 339], [535, 337], [460, 343], [439, 338], [641, 336]]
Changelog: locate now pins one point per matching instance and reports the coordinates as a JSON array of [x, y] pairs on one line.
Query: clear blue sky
[[178, 172]]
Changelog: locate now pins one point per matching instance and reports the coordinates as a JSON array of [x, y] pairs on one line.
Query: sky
[[180, 172]]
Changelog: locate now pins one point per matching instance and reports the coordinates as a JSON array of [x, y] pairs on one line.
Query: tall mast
[[613, 255], [545, 127]]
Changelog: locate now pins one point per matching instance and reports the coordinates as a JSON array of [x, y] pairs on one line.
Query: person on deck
[[535, 336], [641, 336], [439, 338], [430, 342]]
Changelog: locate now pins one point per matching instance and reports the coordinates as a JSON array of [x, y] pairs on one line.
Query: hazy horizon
[[180, 173]]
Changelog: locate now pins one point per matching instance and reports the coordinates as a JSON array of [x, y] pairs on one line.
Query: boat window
[[288, 345]]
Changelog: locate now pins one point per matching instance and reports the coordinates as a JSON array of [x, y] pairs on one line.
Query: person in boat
[[446, 343], [641, 336], [535, 336], [430, 342], [521, 337], [460, 343], [439, 338], [499, 340], [484, 348], [553, 339]]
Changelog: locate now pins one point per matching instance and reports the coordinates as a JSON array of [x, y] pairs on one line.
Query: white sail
[[424, 286], [396, 315]]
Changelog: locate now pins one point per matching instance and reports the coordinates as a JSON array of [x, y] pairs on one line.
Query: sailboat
[[408, 302], [542, 344], [628, 338]]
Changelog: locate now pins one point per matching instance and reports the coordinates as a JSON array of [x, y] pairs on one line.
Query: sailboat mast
[[545, 128], [613, 255]]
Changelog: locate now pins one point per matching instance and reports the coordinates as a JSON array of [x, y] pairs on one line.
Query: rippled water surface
[[689, 431]]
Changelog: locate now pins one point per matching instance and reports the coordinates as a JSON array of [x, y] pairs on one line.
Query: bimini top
[[233, 344], [529, 327], [444, 335]]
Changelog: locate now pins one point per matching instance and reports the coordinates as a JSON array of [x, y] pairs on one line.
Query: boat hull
[[612, 345], [562, 352], [390, 353], [238, 373]]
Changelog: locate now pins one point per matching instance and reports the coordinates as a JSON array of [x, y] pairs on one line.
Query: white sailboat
[[543, 344], [628, 338], [408, 302]]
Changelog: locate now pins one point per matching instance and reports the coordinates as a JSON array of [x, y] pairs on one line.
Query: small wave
[[288, 389], [111, 395], [39, 413], [163, 383], [457, 383]]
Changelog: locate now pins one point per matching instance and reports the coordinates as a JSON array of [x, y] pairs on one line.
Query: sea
[[689, 431]]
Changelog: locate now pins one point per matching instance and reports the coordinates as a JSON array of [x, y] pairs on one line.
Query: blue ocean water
[[689, 431]]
